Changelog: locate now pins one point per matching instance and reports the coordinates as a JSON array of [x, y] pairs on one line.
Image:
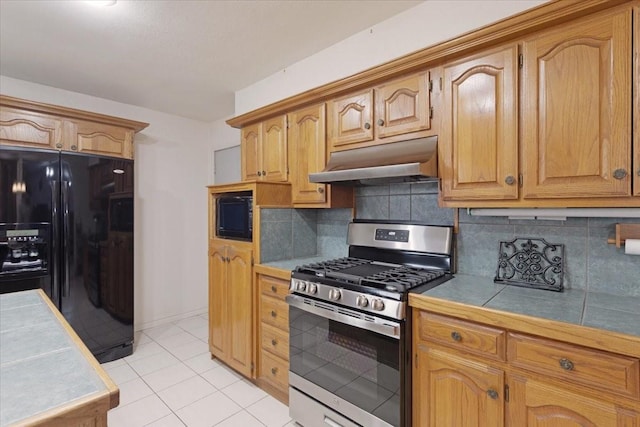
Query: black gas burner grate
[[320, 268]]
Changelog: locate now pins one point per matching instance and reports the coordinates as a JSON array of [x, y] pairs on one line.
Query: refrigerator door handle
[[66, 238], [55, 274]]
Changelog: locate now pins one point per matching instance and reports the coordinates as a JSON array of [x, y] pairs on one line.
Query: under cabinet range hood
[[406, 161]]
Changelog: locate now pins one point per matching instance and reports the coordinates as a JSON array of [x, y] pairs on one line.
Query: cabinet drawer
[[273, 287], [599, 369], [274, 370], [274, 312], [462, 335], [274, 340]]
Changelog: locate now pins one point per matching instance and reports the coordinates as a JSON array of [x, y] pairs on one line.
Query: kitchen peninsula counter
[[47, 374], [575, 315]]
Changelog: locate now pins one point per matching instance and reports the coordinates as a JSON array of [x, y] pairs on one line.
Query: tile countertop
[[41, 366], [574, 306]]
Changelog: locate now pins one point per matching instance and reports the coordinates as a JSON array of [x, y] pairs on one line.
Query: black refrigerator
[[66, 226]]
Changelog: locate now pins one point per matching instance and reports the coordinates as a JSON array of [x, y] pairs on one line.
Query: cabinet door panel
[[402, 106], [577, 118], [479, 143], [274, 149], [454, 391], [250, 152], [350, 120], [535, 404], [307, 147], [217, 300], [636, 103], [240, 308], [29, 129], [100, 139]]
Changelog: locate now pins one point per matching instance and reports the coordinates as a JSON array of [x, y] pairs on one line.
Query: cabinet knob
[[456, 336], [274, 342], [74, 147], [264, 173], [638, 171], [273, 313], [367, 125], [273, 288], [274, 371], [566, 364], [259, 173], [619, 173], [380, 122], [492, 394], [58, 145], [320, 190], [510, 180]]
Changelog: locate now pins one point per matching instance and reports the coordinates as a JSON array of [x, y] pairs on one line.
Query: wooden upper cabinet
[[274, 149], [29, 129], [478, 141], [250, 152], [636, 102], [403, 106], [263, 148], [351, 119], [100, 139], [379, 115], [308, 153], [576, 109], [32, 124]]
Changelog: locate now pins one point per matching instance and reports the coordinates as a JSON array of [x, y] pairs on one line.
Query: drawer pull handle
[[492, 394], [273, 313], [274, 342], [273, 288], [274, 371], [456, 336], [566, 364]]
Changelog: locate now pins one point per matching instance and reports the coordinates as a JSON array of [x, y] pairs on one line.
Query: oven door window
[[360, 366]]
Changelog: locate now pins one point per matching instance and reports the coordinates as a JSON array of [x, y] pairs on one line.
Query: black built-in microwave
[[234, 216]]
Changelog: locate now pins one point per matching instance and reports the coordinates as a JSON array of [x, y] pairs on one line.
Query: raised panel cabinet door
[[576, 109], [636, 102], [250, 152], [29, 129], [451, 390], [403, 106], [307, 145], [240, 309], [99, 138], [479, 136], [535, 404], [274, 149], [218, 341], [350, 120]]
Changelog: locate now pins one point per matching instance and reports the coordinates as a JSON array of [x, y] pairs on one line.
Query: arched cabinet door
[[479, 133], [250, 150], [577, 109], [274, 149], [350, 120]]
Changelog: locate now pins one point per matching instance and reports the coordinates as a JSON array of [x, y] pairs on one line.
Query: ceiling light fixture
[[101, 2]]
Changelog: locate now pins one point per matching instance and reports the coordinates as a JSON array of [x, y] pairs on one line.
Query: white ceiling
[[181, 57]]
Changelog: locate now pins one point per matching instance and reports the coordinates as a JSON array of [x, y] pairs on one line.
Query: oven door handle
[[381, 326]]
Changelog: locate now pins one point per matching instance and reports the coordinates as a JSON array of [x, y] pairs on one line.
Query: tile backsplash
[[590, 262]]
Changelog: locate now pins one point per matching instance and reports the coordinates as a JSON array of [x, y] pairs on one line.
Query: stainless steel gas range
[[350, 339]]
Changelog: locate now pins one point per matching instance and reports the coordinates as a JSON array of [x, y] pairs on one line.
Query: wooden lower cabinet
[[273, 332], [230, 305], [450, 390], [539, 382]]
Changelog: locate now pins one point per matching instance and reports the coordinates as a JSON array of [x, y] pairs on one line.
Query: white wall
[[171, 165], [416, 28]]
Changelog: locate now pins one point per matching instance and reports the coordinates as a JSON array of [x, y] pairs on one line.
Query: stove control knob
[[377, 304], [312, 288], [301, 286], [334, 295], [362, 301]]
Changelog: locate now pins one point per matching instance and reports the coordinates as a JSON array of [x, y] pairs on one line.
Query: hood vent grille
[[406, 161]]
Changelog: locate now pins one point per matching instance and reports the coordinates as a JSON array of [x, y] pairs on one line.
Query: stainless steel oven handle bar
[[378, 325]]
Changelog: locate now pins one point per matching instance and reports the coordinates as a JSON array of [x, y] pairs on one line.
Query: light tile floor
[[170, 380]]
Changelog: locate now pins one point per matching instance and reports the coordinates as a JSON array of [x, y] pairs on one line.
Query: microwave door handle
[[388, 328]]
